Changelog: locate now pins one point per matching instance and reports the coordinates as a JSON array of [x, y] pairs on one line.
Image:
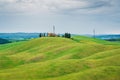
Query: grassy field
[[55, 58]]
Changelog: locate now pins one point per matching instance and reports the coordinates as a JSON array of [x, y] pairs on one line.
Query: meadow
[[56, 58]]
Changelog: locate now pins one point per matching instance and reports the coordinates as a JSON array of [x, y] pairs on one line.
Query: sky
[[74, 16]]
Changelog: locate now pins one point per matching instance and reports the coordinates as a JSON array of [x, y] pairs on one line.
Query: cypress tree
[[40, 35]]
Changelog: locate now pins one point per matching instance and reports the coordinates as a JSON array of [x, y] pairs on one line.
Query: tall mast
[[53, 29], [94, 33]]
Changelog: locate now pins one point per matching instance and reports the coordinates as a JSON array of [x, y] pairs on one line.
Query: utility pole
[[53, 29], [94, 33]]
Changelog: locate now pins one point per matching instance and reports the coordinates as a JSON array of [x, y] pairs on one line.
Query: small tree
[[40, 35], [43, 34], [67, 35]]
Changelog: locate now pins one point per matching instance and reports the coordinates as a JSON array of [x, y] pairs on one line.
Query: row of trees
[[47, 35], [66, 35]]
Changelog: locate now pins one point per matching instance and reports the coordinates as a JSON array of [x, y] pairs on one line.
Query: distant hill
[[19, 36], [24, 36], [4, 41], [55, 58], [108, 37]]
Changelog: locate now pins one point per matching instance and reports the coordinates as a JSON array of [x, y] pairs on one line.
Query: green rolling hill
[[55, 58]]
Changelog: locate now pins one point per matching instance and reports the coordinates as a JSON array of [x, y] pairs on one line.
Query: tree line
[[65, 35]]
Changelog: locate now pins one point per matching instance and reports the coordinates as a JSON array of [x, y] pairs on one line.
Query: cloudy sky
[[74, 16]]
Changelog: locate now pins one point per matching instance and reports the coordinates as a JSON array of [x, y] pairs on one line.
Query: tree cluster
[[66, 35], [48, 35], [42, 35]]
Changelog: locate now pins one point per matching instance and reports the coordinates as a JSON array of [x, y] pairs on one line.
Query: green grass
[[55, 58]]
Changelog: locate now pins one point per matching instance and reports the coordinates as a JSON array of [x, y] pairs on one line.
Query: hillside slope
[[48, 58], [4, 41]]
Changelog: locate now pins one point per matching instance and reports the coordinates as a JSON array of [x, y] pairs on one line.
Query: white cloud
[[57, 6]]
